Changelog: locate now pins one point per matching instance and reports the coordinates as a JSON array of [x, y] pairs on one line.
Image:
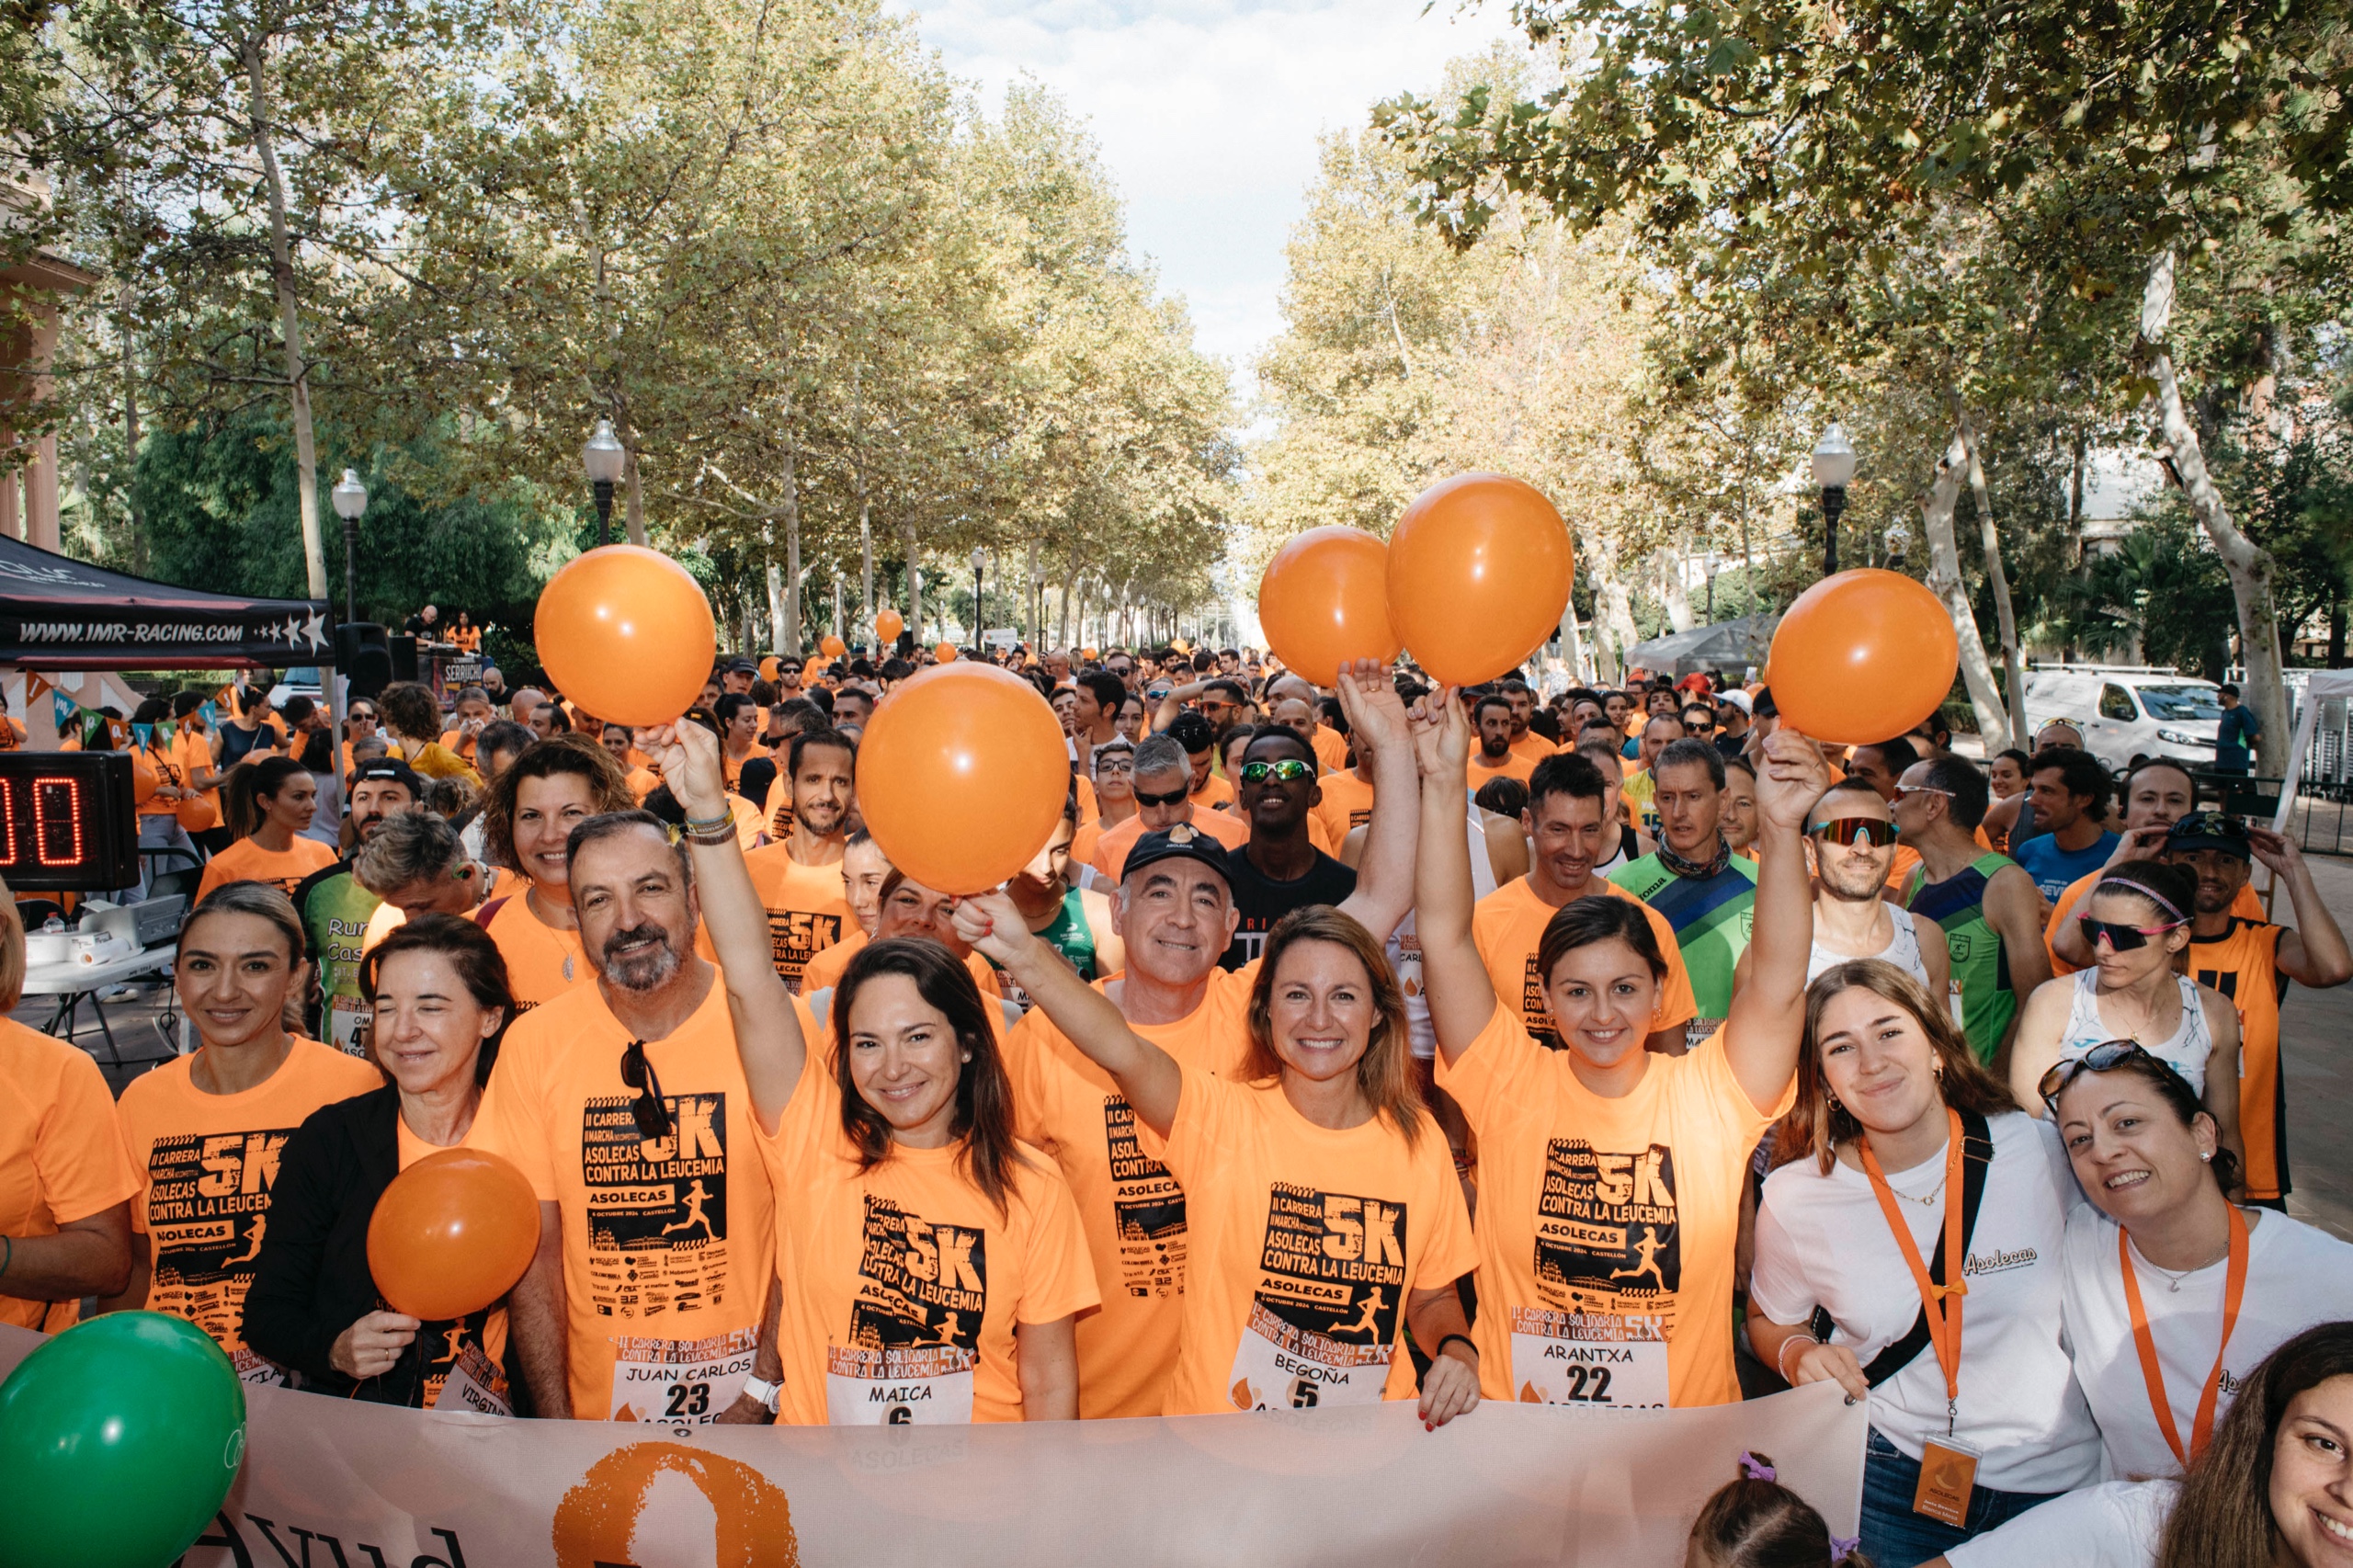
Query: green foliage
[[2163, 587]]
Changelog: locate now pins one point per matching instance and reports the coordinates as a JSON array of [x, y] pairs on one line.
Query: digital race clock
[[67, 821]]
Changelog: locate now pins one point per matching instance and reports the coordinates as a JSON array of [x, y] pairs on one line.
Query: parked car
[[2130, 714]]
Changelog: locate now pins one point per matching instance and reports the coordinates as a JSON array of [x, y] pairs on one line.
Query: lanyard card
[[1947, 1477]]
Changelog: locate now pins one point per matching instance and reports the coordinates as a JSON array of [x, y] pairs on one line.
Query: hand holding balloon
[[452, 1233], [372, 1346], [687, 756]]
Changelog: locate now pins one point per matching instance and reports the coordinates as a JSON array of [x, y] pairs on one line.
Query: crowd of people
[[1616, 1049]]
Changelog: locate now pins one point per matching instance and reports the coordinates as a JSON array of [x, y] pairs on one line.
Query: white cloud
[[1207, 112]]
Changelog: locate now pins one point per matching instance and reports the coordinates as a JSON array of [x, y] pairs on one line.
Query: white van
[[2129, 713]]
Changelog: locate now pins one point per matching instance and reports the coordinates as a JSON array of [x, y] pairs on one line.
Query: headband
[[2152, 894]]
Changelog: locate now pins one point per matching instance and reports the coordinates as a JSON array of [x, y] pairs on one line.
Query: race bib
[[1280, 1366], [681, 1383], [348, 1019], [252, 1369], [1695, 1032], [899, 1385], [472, 1385], [1597, 1358]]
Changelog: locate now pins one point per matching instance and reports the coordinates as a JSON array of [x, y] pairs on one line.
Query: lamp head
[[604, 457], [1834, 459], [350, 496]]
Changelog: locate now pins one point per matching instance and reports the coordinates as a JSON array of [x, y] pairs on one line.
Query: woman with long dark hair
[[1905, 1158], [932, 1267], [438, 988], [269, 803], [2172, 1291]]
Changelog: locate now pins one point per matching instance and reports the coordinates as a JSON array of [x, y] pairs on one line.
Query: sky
[[1207, 114]]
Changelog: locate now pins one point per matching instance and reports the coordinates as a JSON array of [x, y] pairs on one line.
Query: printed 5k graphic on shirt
[[657, 1207], [206, 1210], [1608, 1262], [1148, 1207], [1331, 1284], [916, 1326]]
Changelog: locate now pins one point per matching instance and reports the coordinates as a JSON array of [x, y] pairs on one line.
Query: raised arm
[[767, 1032], [1767, 1022], [1376, 719], [2315, 953], [2014, 909], [1148, 1075], [1174, 703], [1454, 978], [2063, 932]]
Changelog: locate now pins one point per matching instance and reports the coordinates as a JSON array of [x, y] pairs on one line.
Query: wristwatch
[[767, 1392]]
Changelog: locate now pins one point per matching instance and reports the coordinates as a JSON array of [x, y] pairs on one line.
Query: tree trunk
[[792, 642], [1672, 592], [290, 317], [2005, 619], [775, 598], [1945, 581], [2248, 565], [1613, 610], [1572, 642], [914, 584]]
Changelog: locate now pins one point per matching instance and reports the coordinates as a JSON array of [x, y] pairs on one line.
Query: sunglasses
[[1289, 770], [1906, 790], [652, 1113], [2123, 939], [1145, 796], [1847, 830], [2104, 1057], [367, 713]]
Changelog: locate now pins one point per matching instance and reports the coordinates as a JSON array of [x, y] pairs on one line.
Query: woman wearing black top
[[440, 991]]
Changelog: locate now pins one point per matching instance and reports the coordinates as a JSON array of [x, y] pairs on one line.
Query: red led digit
[[7, 825], [57, 822]]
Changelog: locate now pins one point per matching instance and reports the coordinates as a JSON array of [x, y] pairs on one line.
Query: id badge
[[1947, 1477], [680, 1383]]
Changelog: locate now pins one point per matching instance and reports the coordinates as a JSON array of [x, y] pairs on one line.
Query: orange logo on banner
[[597, 1518]]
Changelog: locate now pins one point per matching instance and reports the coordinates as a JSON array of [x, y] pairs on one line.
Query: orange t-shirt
[[668, 1243], [460, 744], [247, 862], [1111, 849], [904, 1282], [777, 812], [192, 751], [1347, 804], [1131, 1208], [1534, 747], [542, 962], [2246, 906], [824, 972], [1605, 1226], [207, 1163], [643, 781], [808, 910], [61, 1152], [1513, 765], [153, 767], [1507, 927], [1303, 1244], [1331, 747], [1214, 792]]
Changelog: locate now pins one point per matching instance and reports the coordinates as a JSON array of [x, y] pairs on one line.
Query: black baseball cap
[[2210, 830], [742, 667], [390, 770], [1178, 841]]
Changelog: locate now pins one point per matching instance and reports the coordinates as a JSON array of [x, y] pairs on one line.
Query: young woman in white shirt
[[1896, 1124], [2137, 920], [2173, 1293], [2275, 1491]]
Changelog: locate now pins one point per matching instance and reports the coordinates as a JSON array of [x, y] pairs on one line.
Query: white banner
[[339, 1484]]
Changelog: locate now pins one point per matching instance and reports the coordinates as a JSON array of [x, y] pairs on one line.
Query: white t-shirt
[[2296, 1277], [2118, 1524], [1821, 1240]]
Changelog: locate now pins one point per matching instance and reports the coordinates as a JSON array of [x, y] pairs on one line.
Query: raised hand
[[687, 756], [2274, 851], [1793, 779], [1441, 732], [1376, 714], [993, 926]]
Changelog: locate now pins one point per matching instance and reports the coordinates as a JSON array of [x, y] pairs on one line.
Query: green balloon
[[118, 1439]]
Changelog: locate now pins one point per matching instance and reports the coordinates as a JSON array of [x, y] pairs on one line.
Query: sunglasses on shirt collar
[[649, 1109], [1289, 770]]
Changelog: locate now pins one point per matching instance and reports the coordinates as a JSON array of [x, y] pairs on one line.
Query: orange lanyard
[[2233, 1292], [1940, 1303]]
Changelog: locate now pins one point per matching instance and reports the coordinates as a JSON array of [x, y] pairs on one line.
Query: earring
[[968, 1056], [2208, 1158]]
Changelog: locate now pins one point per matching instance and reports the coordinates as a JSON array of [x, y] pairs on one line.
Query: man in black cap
[[2251, 961], [335, 909]]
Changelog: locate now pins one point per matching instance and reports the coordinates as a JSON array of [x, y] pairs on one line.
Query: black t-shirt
[[1262, 899]]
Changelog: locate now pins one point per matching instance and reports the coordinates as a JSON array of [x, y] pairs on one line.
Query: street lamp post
[[980, 559], [1834, 470], [350, 498], [604, 458]]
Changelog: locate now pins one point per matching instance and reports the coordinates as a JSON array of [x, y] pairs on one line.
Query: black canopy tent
[[57, 613]]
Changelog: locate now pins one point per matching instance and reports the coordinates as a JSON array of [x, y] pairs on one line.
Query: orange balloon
[[768, 667], [888, 624], [1325, 600], [627, 634], [832, 647], [944, 652], [1479, 572], [962, 776], [1087, 653], [452, 1233], [1862, 656]]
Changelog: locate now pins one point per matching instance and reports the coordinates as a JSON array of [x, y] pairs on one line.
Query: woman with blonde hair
[[1903, 1157]]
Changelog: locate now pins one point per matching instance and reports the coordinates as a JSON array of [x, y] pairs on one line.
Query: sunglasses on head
[[1847, 830], [2104, 1057], [1289, 770], [1910, 789], [1146, 798], [650, 1112], [2122, 937]]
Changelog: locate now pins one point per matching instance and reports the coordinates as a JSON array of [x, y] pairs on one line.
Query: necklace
[[1927, 1200], [2172, 1280]]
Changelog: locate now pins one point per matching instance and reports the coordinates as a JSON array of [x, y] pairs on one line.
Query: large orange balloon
[[627, 634], [452, 1233], [1325, 600], [888, 624], [944, 652], [769, 666], [1862, 656], [1479, 572], [962, 776], [832, 647]]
